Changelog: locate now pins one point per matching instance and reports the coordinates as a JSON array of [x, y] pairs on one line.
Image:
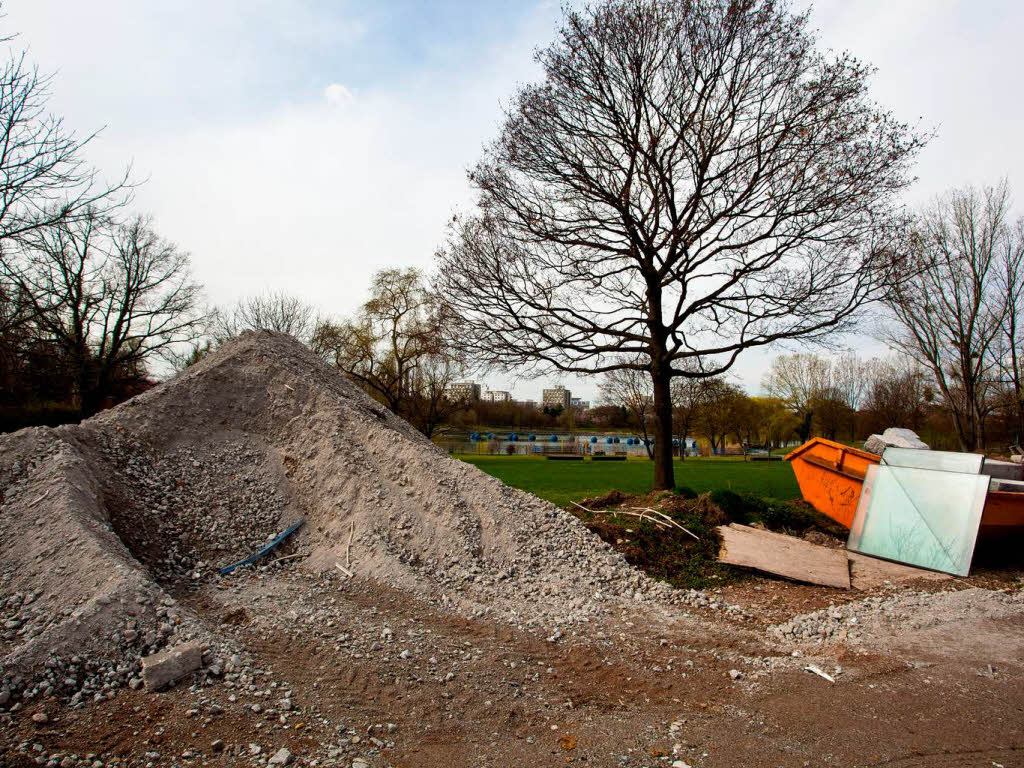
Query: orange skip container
[[831, 475]]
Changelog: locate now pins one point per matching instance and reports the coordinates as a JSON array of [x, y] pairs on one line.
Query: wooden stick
[[819, 672], [343, 569], [33, 504], [348, 549]]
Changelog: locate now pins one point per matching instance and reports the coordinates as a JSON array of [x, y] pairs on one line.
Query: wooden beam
[[784, 556], [867, 572]]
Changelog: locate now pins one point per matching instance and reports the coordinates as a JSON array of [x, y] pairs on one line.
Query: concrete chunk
[[165, 667], [896, 437]]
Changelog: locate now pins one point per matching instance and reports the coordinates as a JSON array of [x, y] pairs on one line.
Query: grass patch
[[562, 482]]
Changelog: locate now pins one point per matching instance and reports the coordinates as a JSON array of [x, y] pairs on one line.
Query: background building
[[497, 396], [579, 404], [464, 390], [557, 397]]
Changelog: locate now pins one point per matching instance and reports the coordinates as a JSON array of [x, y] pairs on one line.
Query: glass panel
[[945, 461], [920, 517]]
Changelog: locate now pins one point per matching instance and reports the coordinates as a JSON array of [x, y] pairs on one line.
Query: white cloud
[[338, 95]]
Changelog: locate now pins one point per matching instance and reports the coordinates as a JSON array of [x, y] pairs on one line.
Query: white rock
[[281, 757]]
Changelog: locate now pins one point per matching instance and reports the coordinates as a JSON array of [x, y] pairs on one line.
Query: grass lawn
[[563, 481]]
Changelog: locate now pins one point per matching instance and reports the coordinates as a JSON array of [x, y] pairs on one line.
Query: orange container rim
[[867, 455]]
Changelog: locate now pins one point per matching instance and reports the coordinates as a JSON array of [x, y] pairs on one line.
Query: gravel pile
[[104, 524], [884, 616]]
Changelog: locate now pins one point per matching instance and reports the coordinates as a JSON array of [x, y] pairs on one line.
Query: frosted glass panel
[[921, 517], [945, 461]]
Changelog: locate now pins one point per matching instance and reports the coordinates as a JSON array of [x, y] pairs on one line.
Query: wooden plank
[[867, 572], [784, 556]]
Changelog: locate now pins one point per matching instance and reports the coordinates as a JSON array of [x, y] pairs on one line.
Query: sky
[[300, 146]]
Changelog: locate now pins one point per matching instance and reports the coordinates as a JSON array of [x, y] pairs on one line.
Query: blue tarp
[[263, 552]]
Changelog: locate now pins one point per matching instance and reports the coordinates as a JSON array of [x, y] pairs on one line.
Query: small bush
[[686, 492], [736, 508]]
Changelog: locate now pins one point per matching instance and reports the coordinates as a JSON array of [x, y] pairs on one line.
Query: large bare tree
[[44, 177], [689, 180], [1009, 343], [951, 315]]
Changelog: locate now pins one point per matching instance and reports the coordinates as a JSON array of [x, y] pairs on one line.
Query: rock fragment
[[162, 669]]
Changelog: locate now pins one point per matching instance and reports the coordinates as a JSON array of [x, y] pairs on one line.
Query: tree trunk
[[804, 430], [664, 473]]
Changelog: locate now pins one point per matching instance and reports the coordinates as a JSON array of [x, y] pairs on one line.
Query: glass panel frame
[[942, 461], [921, 517]]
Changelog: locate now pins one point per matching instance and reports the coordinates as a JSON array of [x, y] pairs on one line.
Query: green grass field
[[563, 481]]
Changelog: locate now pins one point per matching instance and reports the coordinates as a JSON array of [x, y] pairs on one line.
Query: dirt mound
[[105, 524]]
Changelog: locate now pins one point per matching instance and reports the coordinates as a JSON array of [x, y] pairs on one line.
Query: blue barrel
[[531, 438], [553, 439], [593, 440], [617, 440], [490, 435]]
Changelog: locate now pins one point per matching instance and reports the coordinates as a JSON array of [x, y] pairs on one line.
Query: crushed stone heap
[[103, 523]]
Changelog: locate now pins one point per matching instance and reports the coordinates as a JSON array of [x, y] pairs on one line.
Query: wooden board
[[784, 556], [867, 572]]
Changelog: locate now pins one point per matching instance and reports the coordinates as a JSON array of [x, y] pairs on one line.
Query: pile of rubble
[[105, 523], [878, 616]]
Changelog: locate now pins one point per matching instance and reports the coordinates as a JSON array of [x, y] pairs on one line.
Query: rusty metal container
[[830, 476]]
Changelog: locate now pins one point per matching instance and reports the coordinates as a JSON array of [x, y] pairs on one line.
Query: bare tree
[[849, 382], [399, 330], [110, 295], [430, 403], [801, 381], [1009, 344], [271, 311], [689, 181], [950, 317], [631, 388], [897, 393], [688, 395]]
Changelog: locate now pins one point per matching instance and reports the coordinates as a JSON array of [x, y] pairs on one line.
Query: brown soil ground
[[948, 696]]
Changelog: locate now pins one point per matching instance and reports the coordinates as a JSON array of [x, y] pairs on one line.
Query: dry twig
[[669, 520], [640, 515], [289, 557]]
